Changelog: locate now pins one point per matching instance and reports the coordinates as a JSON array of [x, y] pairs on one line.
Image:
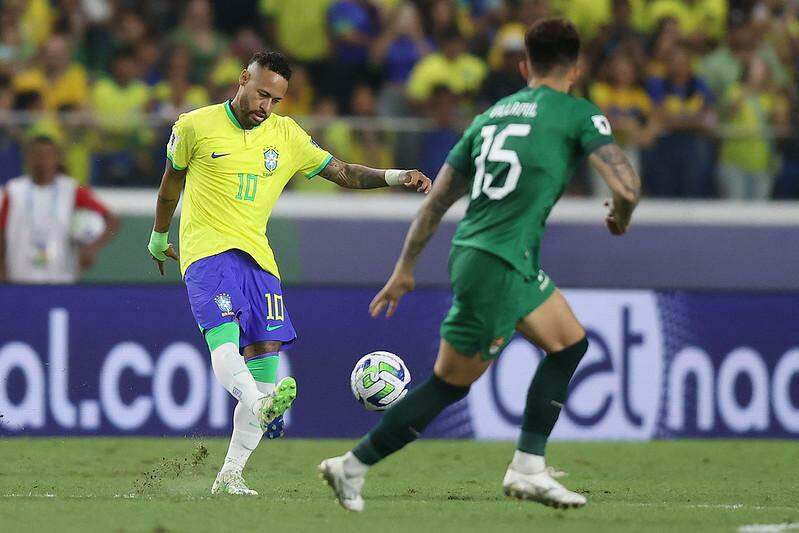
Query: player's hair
[[274, 61], [552, 43], [41, 138]]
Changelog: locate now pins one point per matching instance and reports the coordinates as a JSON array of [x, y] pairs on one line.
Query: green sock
[[404, 422], [546, 396], [264, 367]]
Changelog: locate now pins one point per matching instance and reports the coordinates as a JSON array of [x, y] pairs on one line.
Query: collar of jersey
[[232, 116]]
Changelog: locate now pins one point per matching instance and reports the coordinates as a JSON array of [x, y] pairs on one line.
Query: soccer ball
[[379, 380], [87, 226]]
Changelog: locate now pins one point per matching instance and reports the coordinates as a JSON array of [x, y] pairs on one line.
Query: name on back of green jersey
[[515, 109]]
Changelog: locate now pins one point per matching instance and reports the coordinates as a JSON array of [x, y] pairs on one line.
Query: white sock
[[246, 434], [233, 374], [528, 463], [353, 466]]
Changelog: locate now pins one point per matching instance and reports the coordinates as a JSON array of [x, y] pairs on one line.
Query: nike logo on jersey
[[273, 328], [214, 155]]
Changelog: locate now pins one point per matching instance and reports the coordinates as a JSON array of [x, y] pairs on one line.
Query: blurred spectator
[[618, 34], [353, 27], [752, 112], [304, 38], [701, 21], [60, 80], [451, 66], [176, 94], [196, 32], [10, 153], [628, 107], [120, 103], [681, 157], [148, 57], [436, 143], [665, 40], [397, 50], [724, 66], [360, 142], [299, 99], [51, 229], [504, 78]]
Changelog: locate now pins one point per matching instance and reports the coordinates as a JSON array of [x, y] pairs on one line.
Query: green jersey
[[520, 154]]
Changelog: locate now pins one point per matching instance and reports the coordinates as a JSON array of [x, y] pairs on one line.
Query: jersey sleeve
[[85, 199], [591, 127], [308, 156], [180, 147], [460, 157]]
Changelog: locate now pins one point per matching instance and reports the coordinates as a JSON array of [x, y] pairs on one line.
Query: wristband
[[394, 177], [158, 244]]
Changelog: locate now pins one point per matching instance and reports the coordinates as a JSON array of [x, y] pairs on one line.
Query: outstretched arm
[[449, 187], [353, 176], [614, 167]]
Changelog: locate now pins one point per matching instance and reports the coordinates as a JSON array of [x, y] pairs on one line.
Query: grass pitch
[[104, 484]]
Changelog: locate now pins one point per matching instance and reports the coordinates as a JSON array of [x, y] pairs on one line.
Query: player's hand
[[616, 224], [414, 178], [160, 250], [169, 252], [87, 255], [389, 296]]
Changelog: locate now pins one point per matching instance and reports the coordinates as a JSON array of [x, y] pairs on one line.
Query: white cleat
[[231, 483], [347, 488], [542, 488]]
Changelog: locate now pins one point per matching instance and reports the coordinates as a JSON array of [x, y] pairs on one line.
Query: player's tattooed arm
[[449, 186], [614, 167], [168, 197], [352, 176]]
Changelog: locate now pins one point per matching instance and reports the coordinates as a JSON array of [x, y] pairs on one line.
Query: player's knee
[[261, 348], [222, 334]]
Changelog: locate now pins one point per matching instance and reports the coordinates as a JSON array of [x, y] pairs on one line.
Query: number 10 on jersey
[[248, 186]]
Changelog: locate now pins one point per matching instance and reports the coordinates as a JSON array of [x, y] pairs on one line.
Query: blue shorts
[[232, 287]]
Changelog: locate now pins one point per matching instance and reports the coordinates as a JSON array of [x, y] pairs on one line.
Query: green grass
[[162, 485]]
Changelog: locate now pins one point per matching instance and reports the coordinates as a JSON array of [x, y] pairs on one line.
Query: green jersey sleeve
[[460, 157], [591, 127], [181, 143]]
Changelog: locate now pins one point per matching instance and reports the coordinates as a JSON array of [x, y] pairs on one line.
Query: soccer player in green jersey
[[231, 161], [513, 162]]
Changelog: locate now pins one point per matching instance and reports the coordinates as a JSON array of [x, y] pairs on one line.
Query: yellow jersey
[[234, 178]]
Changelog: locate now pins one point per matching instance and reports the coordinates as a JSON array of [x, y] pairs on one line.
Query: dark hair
[[274, 61], [41, 138], [551, 43]]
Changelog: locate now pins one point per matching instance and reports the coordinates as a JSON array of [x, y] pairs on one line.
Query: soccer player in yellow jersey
[[233, 160]]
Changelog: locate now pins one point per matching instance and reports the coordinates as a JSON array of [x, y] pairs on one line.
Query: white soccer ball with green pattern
[[379, 380]]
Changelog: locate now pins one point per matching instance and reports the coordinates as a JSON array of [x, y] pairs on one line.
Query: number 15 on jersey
[[492, 151]]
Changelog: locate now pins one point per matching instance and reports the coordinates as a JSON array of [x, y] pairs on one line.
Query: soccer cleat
[[346, 488], [231, 483], [275, 429], [278, 403], [542, 488]]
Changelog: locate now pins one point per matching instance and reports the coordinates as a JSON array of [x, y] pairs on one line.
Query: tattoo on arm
[[354, 176], [618, 172], [448, 187]]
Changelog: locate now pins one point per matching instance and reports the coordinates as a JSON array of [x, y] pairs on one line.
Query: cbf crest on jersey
[[224, 303], [270, 160]]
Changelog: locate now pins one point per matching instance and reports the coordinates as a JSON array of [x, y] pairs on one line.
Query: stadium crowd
[[701, 93]]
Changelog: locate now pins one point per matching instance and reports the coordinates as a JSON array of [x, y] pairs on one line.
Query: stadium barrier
[[115, 360], [354, 239]]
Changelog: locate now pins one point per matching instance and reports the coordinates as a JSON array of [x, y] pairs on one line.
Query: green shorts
[[489, 298]]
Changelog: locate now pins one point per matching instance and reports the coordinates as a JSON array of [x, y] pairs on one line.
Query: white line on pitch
[[768, 528]]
